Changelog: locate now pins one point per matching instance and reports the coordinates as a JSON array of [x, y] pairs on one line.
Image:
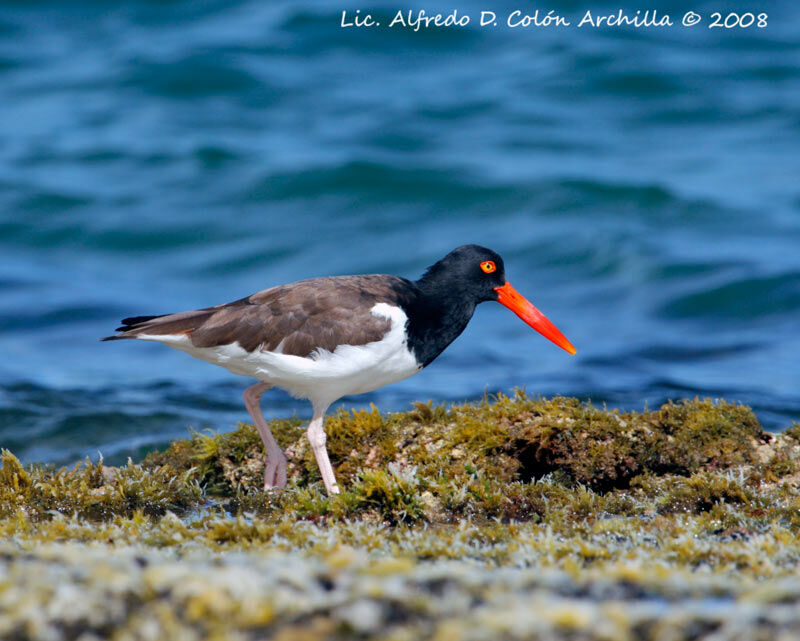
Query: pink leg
[[275, 464], [317, 438]]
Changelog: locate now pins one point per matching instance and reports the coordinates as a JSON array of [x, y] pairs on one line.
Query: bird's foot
[[275, 471]]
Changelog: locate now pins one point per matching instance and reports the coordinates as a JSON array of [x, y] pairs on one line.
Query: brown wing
[[299, 317]]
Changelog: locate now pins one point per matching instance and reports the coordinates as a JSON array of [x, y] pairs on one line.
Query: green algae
[[438, 465], [344, 593], [660, 509], [93, 491], [555, 463]]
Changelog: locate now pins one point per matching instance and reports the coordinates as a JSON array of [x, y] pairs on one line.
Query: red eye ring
[[488, 267]]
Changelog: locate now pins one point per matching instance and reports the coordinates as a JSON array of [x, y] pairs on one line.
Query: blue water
[[642, 185]]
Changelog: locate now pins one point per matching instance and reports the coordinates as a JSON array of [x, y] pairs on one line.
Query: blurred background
[[643, 186]]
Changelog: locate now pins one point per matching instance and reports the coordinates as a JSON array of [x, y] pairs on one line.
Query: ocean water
[[642, 184]]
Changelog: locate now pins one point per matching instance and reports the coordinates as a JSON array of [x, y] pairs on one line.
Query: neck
[[436, 317]]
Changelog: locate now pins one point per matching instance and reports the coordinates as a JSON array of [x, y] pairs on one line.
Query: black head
[[449, 291], [470, 272]]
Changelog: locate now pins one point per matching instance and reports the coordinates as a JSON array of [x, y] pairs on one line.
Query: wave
[[741, 300]]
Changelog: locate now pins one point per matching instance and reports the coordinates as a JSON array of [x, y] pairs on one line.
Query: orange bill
[[517, 303]]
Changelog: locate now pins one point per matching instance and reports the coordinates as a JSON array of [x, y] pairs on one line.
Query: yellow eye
[[488, 267]]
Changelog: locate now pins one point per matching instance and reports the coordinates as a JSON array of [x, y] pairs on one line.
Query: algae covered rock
[[605, 449], [138, 593], [513, 518], [93, 491], [431, 464]]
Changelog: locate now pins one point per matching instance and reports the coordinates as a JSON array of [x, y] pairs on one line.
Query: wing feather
[[298, 318]]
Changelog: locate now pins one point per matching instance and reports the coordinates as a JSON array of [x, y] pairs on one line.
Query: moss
[[793, 431], [93, 491], [703, 434], [698, 493], [224, 462], [510, 438], [585, 591], [555, 462], [606, 449]]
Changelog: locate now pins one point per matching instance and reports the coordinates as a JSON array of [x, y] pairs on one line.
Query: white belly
[[323, 376]]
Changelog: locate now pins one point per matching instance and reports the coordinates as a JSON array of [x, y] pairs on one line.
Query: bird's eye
[[488, 266]]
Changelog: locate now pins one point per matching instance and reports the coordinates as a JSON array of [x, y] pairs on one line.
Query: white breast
[[323, 376]]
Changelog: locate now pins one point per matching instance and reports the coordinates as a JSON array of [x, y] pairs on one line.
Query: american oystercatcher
[[325, 338]]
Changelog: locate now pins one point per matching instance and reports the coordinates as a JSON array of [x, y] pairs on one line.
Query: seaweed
[[506, 518], [510, 458]]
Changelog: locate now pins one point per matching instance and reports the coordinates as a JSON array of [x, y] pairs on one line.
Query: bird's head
[[478, 274]]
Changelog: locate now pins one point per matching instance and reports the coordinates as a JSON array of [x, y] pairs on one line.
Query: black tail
[[133, 321], [128, 324], [180, 323]]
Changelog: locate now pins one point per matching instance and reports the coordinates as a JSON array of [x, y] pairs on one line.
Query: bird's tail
[[181, 323]]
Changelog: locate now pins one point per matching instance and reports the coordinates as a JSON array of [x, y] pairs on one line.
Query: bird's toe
[[275, 471]]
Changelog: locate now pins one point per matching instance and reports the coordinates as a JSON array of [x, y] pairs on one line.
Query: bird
[[325, 338]]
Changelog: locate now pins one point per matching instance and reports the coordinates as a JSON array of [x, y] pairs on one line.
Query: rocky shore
[[514, 518]]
